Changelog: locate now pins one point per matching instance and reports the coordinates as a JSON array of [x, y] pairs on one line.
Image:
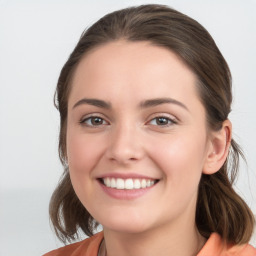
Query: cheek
[[83, 153], [181, 158]]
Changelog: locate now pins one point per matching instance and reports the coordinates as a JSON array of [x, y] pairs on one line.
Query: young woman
[[146, 142]]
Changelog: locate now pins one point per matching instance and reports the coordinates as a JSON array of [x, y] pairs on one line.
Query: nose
[[125, 145]]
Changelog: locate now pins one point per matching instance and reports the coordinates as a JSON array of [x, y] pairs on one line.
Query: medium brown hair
[[219, 208]]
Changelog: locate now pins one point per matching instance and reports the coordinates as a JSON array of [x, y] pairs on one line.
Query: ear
[[218, 149]]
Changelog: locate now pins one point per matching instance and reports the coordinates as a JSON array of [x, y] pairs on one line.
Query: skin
[[128, 139]]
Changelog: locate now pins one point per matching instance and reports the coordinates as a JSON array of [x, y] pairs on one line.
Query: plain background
[[36, 38]]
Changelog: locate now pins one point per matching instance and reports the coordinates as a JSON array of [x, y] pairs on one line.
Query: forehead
[[148, 70]]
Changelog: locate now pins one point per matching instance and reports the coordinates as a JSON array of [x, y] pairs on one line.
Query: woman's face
[[136, 137]]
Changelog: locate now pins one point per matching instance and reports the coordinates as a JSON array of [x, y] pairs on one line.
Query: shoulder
[[88, 246], [215, 247]]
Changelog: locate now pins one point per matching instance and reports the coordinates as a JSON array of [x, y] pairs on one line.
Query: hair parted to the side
[[219, 208]]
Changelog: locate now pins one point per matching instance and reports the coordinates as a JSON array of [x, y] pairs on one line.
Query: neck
[[182, 241]]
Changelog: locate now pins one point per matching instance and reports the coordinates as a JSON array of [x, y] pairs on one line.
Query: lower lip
[[125, 194]]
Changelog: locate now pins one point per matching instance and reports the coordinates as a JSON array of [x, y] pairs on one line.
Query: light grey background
[[36, 38]]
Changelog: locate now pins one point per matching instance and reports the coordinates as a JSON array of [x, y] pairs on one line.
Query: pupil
[[96, 121], [162, 120]]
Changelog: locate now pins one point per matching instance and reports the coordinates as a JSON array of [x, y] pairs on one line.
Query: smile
[[128, 184]]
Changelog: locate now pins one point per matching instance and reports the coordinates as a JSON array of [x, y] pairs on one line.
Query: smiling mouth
[[127, 184]]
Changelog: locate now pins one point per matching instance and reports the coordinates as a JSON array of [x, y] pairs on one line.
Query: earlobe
[[219, 147]]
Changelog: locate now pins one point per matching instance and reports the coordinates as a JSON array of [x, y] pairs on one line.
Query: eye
[[93, 121], [162, 121]]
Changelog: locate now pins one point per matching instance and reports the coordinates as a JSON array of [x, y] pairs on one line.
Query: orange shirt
[[213, 247], [87, 247]]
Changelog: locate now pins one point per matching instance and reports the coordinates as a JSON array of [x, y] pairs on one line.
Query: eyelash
[[91, 118], [170, 121]]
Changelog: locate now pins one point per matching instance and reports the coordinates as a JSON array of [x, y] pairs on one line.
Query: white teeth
[[113, 183], [136, 184], [120, 184], [128, 183], [143, 183], [108, 182]]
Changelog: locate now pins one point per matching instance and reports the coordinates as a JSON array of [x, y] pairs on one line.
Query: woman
[[146, 142]]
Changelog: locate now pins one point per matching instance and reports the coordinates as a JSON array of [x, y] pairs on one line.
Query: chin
[[125, 224], [128, 229]]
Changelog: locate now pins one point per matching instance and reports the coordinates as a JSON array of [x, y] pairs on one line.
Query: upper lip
[[125, 176]]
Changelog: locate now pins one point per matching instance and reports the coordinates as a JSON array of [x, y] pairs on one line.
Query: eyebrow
[[144, 104], [93, 102], [159, 101]]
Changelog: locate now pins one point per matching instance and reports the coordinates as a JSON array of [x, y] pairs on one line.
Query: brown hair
[[219, 208]]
